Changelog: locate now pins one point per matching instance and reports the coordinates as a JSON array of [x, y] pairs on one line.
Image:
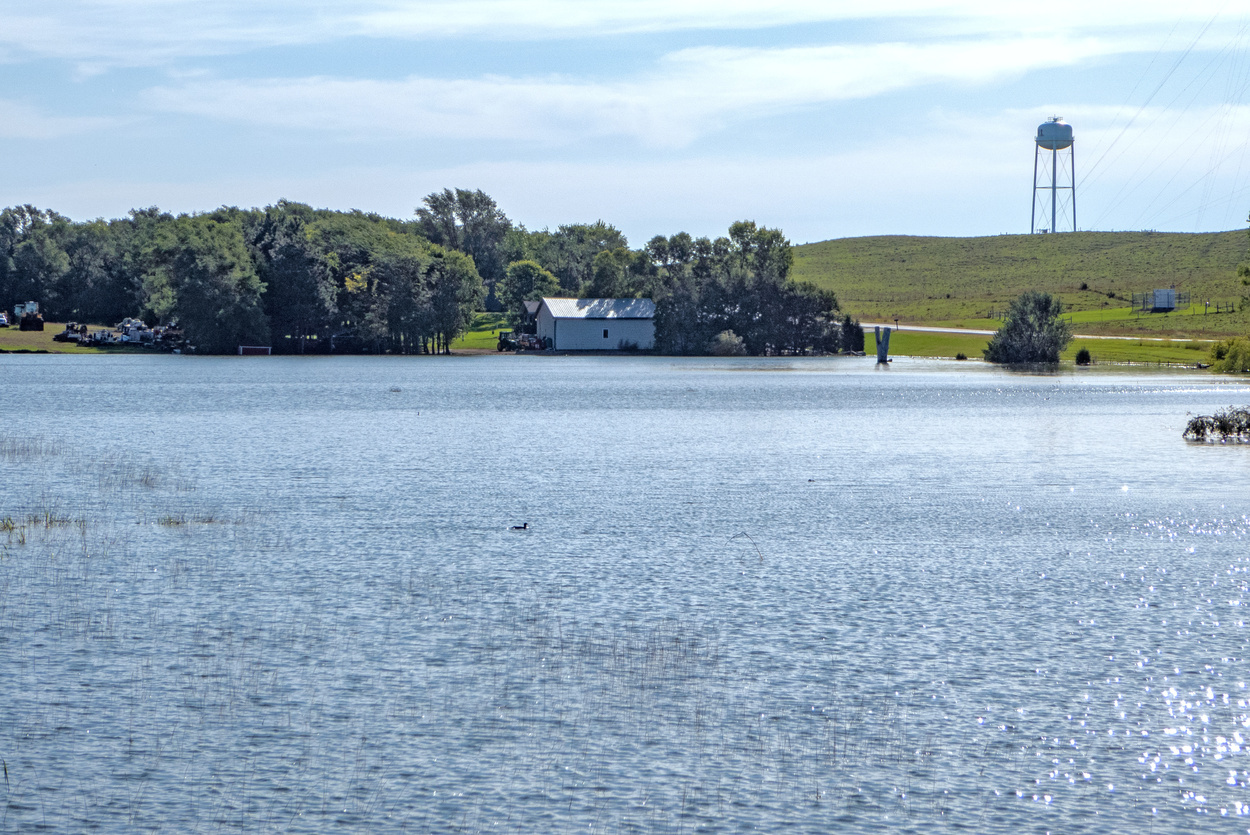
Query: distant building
[[597, 324]]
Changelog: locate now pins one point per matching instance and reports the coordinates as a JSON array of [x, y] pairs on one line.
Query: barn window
[[605, 333]]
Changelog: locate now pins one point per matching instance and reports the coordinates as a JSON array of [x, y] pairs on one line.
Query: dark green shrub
[[1231, 355], [1034, 331], [1082, 357]]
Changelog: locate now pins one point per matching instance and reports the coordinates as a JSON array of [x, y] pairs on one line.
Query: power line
[[1175, 66]]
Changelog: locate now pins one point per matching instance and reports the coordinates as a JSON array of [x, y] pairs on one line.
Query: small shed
[[597, 324], [1164, 300]]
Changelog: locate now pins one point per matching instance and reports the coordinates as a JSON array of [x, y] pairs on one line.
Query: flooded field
[[802, 596]]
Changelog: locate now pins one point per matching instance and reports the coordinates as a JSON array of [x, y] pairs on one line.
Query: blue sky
[[826, 119]]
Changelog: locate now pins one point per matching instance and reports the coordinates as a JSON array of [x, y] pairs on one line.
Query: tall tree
[[471, 222], [739, 283], [32, 257], [455, 292], [569, 253], [299, 298], [400, 313], [525, 281], [96, 287], [217, 294]]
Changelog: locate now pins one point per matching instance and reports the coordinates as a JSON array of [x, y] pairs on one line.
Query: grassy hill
[[962, 281]]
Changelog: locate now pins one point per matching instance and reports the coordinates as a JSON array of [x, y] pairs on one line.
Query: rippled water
[[803, 596]]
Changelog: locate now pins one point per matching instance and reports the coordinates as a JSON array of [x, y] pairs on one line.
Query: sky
[[824, 118]]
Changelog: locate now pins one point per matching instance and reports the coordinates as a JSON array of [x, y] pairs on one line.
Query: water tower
[[1058, 196]]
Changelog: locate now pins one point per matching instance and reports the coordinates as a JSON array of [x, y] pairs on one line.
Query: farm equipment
[[73, 332], [513, 341], [28, 316]]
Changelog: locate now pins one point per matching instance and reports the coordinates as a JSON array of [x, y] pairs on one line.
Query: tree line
[[317, 280]]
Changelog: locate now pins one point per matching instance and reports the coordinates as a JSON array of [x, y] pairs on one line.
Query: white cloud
[[688, 94], [21, 121], [144, 32]]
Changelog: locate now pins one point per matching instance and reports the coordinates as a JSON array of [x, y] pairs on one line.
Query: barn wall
[[587, 334], [546, 324]]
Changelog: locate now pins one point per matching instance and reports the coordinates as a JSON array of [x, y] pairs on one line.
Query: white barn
[[597, 324]]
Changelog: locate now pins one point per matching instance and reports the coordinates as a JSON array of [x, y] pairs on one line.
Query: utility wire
[[1175, 66]]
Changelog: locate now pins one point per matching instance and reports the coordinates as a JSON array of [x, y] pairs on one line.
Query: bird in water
[[524, 527]]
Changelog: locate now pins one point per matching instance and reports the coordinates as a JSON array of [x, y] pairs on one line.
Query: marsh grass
[[21, 450], [178, 520]]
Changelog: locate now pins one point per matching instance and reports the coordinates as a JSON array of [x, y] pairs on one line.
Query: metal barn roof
[[601, 308]]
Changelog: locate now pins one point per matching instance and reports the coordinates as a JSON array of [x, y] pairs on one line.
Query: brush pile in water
[[1226, 423]]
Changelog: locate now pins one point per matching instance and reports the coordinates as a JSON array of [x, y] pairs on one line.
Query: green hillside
[[960, 281]]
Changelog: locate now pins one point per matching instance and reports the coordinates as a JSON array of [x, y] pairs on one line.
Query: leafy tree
[[299, 298], [852, 335], [1034, 331], [621, 273], [569, 253], [471, 222], [525, 281], [607, 279], [399, 315], [727, 344], [738, 283], [33, 261], [690, 316], [216, 290], [146, 242], [97, 288], [455, 292], [1231, 355], [349, 244]]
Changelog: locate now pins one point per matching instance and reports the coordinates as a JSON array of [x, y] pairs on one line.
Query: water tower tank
[[1054, 134]]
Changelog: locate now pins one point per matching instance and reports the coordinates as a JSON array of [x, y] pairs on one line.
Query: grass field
[[959, 281], [12, 339], [922, 344], [483, 334]]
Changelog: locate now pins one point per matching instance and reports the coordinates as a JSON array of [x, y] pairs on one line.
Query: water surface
[[755, 595]]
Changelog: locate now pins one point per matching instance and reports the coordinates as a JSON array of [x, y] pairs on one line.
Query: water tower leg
[[1054, 188], [1033, 213]]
